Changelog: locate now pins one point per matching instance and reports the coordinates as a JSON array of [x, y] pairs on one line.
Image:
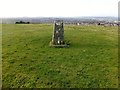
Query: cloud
[[33, 8]]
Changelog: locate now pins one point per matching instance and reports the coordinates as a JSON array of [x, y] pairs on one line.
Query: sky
[[58, 8]]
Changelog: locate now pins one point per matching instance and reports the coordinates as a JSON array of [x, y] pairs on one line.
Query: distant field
[[91, 61]]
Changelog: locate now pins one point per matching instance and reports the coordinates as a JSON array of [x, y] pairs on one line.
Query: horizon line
[[55, 16]]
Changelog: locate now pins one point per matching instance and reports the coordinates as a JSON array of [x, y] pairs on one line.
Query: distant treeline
[[21, 22]]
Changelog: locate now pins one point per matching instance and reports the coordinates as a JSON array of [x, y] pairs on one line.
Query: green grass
[[91, 61]]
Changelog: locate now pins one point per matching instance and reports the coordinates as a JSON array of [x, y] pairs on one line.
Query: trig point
[[58, 35]]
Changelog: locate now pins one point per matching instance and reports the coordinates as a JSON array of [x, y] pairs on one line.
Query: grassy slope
[[90, 61]]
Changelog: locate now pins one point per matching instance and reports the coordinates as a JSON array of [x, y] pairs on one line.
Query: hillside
[[91, 61]]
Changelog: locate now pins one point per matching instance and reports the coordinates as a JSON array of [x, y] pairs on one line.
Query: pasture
[[91, 61]]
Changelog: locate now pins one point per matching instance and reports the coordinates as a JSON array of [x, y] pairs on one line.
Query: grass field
[[91, 61]]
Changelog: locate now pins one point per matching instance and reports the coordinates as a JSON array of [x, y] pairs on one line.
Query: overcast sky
[[58, 8]]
